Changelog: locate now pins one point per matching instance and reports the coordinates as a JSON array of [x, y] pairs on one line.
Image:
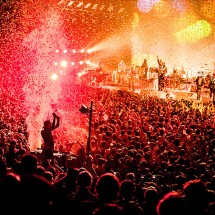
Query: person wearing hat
[[48, 140]]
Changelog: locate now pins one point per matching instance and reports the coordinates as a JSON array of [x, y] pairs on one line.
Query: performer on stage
[[212, 87], [162, 70], [48, 140], [121, 72], [144, 69], [199, 84], [153, 79], [131, 77], [99, 75]]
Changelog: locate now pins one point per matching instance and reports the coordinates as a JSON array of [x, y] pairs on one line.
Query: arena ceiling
[[163, 30]]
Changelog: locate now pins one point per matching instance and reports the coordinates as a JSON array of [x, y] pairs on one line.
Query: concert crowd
[[148, 156]]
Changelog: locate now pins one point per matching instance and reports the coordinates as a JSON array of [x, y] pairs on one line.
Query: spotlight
[[82, 50], [63, 63], [73, 51], [84, 109], [55, 63], [81, 62], [65, 51], [54, 76], [73, 63], [57, 50]]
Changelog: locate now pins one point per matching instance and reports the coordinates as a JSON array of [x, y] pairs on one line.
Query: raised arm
[[56, 121], [159, 61]]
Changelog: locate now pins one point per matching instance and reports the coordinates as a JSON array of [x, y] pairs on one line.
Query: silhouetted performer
[[48, 140], [162, 70], [144, 70], [212, 87], [199, 84]]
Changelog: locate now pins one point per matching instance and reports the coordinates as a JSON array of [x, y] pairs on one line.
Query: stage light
[[65, 51], [81, 62], [55, 63], [54, 76], [84, 109], [64, 63], [146, 6], [60, 2], [87, 5], [73, 51], [136, 20], [57, 51], [88, 62], [79, 74], [195, 32], [89, 50], [82, 51], [73, 63], [95, 6], [70, 3], [80, 4]]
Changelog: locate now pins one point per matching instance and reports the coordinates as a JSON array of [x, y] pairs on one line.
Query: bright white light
[[81, 62], [87, 5], [74, 51], [64, 63], [89, 50], [88, 62], [73, 63], [79, 5], [65, 51], [57, 50], [82, 50], [55, 63], [60, 2], [54, 76], [70, 3], [79, 74], [94, 6]]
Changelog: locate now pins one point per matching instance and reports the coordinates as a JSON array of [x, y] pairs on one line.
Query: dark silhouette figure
[[162, 70], [128, 200], [212, 87], [172, 203], [199, 84], [107, 190], [196, 196], [48, 140], [83, 201]]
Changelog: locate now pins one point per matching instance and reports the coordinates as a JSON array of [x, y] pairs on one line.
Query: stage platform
[[172, 93]]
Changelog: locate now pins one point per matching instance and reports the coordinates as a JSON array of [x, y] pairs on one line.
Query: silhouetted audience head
[[84, 179], [29, 164], [172, 204], [127, 188], [151, 195], [196, 195], [107, 187]]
